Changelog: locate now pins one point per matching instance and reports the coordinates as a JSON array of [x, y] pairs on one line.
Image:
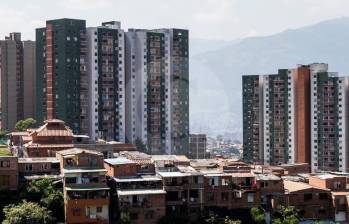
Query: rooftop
[[82, 170], [266, 176], [139, 192], [86, 188], [119, 161], [293, 186], [38, 160], [75, 151], [173, 174], [325, 176], [137, 178]]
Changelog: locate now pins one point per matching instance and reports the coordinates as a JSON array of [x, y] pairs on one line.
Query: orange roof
[[54, 128], [293, 186]]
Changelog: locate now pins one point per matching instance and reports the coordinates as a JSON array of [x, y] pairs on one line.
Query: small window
[[76, 211], [99, 209], [308, 197]]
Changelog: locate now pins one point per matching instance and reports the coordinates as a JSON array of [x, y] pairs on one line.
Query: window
[[99, 209], [76, 211], [225, 196], [28, 167], [308, 197], [5, 163], [250, 197], [210, 196], [323, 196]]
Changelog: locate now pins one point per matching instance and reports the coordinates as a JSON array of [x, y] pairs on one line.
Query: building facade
[[329, 121], [252, 87], [17, 71], [281, 121], [61, 77], [197, 149], [157, 85], [106, 76]]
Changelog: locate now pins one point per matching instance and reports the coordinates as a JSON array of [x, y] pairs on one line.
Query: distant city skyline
[[206, 19]]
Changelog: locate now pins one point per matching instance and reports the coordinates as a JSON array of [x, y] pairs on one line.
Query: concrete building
[[17, 69], [61, 73], [9, 172], [329, 121], [197, 146], [29, 79], [278, 116], [157, 89], [86, 195], [252, 98], [106, 77]]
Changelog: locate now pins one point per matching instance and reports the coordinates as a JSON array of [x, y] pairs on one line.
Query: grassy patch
[[5, 152]]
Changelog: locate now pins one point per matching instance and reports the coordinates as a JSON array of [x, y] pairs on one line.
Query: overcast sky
[[206, 19]]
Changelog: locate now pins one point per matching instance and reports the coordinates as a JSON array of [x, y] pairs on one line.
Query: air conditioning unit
[[93, 216]]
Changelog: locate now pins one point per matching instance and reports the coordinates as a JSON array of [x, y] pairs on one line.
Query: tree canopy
[[27, 213], [258, 215], [43, 192], [286, 215], [23, 125]]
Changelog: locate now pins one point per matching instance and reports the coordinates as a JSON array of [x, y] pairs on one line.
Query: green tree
[[212, 218], [27, 213], [228, 220], [258, 215], [23, 125], [42, 191], [124, 218], [286, 215]]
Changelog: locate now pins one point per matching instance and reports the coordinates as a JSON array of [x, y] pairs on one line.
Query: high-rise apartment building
[[329, 121], [252, 87], [17, 70], [62, 83], [277, 112], [29, 79], [106, 77], [197, 149], [157, 85]]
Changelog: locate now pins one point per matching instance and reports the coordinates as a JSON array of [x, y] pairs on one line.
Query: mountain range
[[216, 68]]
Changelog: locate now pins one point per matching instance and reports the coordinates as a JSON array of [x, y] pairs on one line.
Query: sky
[[206, 19]]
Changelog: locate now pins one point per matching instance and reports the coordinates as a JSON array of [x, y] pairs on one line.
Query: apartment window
[[210, 196], [225, 196], [4, 180], [28, 167], [76, 211], [323, 196], [99, 209], [308, 197], [45, 166], [5, 163]]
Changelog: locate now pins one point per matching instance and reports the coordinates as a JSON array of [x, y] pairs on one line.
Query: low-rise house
[[86, 194], [132, 191], [270, 189], [296, 168], [53, 136], [329, 181], [184, 188], [108, 148], [311, 201], [9, 172], [38, 166]]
